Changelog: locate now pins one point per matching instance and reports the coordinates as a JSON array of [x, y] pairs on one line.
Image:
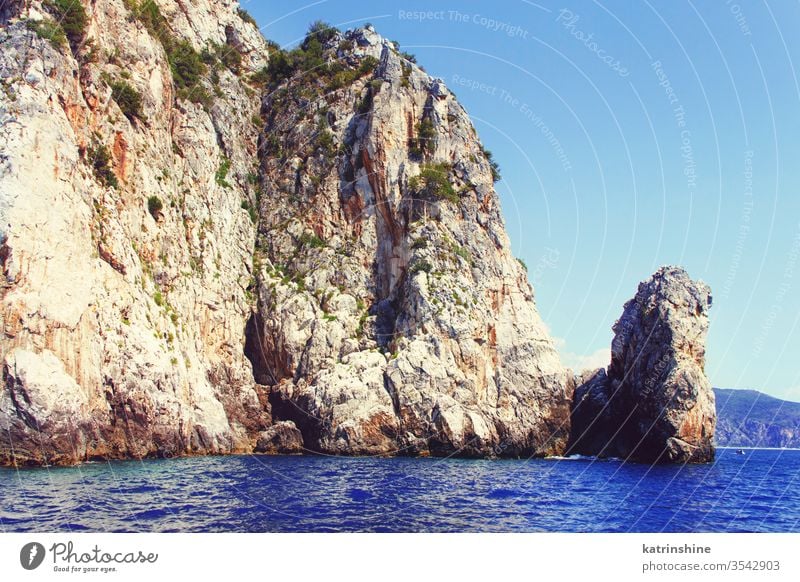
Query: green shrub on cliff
[[338, 76], [128, 99], [72, 18], [462, 252], [421, 265], [405, 81], [148, 13], [99, 158], [222, 172], [325, 143], [308, 60], [425, 141], [48, 29], [186, 66], [246, 17], [311, 240], [154, 206], [419, 243], [226, 54], [495, 167], [321, 32], [251, 211], [185, 63], [433, 183], [231, 57], [281, 67]]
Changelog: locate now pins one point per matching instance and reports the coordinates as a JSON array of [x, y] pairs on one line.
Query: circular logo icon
[[31, 555]]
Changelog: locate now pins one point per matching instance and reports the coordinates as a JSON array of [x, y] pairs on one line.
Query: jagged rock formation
[[392, 314], [210, 245], [655, 403]]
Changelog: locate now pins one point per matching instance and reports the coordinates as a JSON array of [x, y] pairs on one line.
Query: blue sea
[[755, 492]]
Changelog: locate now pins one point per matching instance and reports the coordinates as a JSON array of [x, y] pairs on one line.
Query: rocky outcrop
[[392, 316], [654, 403], [282, 438]]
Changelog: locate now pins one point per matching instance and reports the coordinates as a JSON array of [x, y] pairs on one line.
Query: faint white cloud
[[579, 362], [792, 393]]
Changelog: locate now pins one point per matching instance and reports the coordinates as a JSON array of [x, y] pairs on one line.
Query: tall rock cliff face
[[126, 253], [392, 315], [655, 403]]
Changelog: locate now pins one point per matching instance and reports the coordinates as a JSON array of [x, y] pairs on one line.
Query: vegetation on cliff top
[[246, 17], [309, 60]]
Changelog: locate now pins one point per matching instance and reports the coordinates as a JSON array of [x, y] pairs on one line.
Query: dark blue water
[[758, 491]]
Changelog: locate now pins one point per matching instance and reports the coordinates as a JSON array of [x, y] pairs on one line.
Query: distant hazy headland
[[748, 418]]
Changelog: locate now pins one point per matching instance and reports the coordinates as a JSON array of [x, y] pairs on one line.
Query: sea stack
[[655, 403]]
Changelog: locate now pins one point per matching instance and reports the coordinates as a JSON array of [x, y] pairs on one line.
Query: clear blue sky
[[630, 135]]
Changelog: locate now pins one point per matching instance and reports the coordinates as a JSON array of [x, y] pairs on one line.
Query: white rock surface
[[471, 369], [145, 316]]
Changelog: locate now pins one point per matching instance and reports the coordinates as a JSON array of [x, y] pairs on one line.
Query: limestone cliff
[[655, 403], [128, 133], [210, 245], [392, 314]]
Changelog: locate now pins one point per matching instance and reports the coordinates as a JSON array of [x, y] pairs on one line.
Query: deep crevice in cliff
[[254, 350]]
